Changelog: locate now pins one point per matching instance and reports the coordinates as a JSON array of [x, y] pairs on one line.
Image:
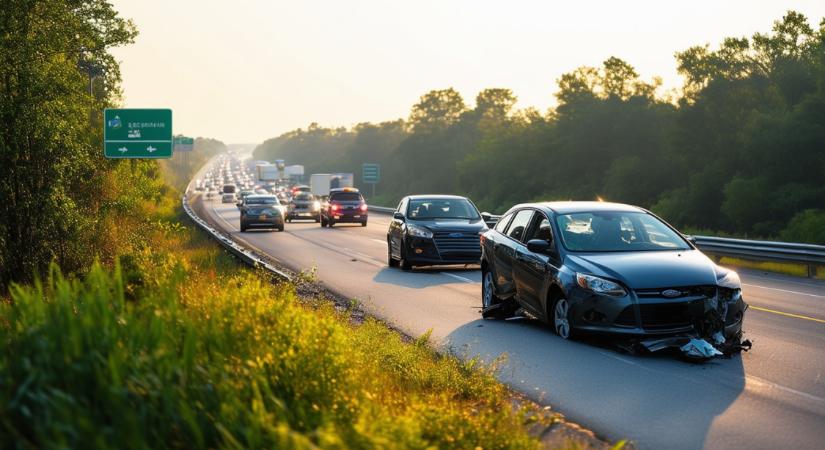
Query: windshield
[[262, 201], [452, 208], [617, 232]]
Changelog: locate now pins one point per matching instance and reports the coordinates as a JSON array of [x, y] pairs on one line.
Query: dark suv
[[606, 267], [345, 205]]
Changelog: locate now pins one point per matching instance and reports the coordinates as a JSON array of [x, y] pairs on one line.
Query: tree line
[[739, 149], [60, 199]]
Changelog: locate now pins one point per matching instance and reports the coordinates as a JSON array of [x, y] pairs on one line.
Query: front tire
[[280, 227], [392, 262], [243, 228], [404, 263], [561, 319]]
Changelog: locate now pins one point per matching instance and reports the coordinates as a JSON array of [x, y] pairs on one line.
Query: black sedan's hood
[[450, 224], [649, 270]]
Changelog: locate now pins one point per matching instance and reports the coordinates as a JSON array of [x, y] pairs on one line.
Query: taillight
[[364, 207], [334, 207]]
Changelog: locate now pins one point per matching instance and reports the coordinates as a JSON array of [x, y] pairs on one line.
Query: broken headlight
[[730, 287], [600, 285]]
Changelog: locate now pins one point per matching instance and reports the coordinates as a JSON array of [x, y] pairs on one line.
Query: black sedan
[[609, 268], [262, 211], [434, 230], [304, 206]]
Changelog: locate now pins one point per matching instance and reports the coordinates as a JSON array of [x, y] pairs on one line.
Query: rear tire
[[323, 222], [493, 307], [364, 223]]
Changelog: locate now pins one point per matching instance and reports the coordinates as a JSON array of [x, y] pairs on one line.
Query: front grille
[[457, 244], [667, 315], [683, 310]]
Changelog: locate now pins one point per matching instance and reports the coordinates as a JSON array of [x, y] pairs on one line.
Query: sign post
[[371, 174], [137, 133]]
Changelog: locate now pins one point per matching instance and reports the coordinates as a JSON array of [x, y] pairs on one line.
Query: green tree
[[57, 76]]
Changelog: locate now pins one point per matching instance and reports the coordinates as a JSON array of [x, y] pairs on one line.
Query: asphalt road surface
[[772, 397]]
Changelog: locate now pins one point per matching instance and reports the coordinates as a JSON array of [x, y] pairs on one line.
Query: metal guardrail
[[786, 252], [248, 257]]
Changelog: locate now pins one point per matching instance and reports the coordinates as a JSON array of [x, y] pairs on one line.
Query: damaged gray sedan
[[611, 269]]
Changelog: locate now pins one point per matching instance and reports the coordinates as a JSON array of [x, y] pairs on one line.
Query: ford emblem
[[456, 235], [671, 293]]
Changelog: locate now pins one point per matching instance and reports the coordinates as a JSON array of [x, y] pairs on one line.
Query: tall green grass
[[177, 347]]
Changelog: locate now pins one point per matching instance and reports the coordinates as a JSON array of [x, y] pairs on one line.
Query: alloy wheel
[[488, 290], [560, 321]]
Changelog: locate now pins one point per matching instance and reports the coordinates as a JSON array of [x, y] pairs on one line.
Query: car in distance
[[344, 205], [304, 206], [262, 211], [242, 195], [434, 230], [228, 198], [606, 268]]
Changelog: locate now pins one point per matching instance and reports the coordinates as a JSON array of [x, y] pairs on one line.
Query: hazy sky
[[247, 70]]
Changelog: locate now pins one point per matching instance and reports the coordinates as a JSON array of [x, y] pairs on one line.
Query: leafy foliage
[[740, 150], [179, 348]]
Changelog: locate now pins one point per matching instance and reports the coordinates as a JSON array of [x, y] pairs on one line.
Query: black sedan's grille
[[457, 244], [668, 308]]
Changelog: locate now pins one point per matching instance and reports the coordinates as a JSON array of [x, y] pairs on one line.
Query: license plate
[[262, 217]]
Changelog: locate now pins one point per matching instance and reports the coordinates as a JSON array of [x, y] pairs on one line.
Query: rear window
[[229, 189], [346, 197], [303, 196], [262, 201]]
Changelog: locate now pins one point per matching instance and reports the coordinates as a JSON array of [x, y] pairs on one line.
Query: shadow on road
[[659, 401], [424, 277]]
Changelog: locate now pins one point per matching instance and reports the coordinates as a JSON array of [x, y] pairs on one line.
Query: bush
[[807, 226], [159, 353]]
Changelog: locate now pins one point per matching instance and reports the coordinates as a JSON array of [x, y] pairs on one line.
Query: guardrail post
[[811, 271]]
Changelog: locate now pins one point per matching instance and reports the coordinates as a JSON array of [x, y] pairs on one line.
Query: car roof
[[436, 197], [346, 189], [572, 207]]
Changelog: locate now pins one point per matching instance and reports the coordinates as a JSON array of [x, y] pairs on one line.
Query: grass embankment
[[178, 346]]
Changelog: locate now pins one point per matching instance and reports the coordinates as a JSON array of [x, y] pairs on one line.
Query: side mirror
[[538, 246], [398, 216], [691, 239]]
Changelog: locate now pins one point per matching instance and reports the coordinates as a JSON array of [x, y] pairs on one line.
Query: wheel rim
[[487, 295], [560, 321]]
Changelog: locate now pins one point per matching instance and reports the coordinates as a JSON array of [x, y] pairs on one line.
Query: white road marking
[[379, 241], [770, 384], [783, 290], [457, 277]]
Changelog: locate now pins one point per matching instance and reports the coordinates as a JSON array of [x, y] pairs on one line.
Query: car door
[[505, 249], [530, 269], [396, 230]]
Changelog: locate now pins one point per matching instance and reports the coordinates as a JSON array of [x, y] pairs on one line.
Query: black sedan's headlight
[[419, 231], [600, 285]]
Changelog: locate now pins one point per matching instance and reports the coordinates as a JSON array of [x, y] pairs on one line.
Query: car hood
[[450, 224], [649, 270]]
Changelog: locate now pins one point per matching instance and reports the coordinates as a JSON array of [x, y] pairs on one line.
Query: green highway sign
[[184, 144], [137, 133], [371, 173]]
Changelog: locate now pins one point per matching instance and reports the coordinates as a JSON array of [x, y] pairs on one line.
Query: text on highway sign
[[137, 133]]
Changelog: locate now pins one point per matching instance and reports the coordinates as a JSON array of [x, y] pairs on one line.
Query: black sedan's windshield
[[617, 232], [451, 208]]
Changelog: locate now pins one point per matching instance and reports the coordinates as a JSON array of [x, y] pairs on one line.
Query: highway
[[772, 397]]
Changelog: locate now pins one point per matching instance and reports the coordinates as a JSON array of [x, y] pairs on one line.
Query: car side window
[[520, 223], [541, 229], [502, 223]]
